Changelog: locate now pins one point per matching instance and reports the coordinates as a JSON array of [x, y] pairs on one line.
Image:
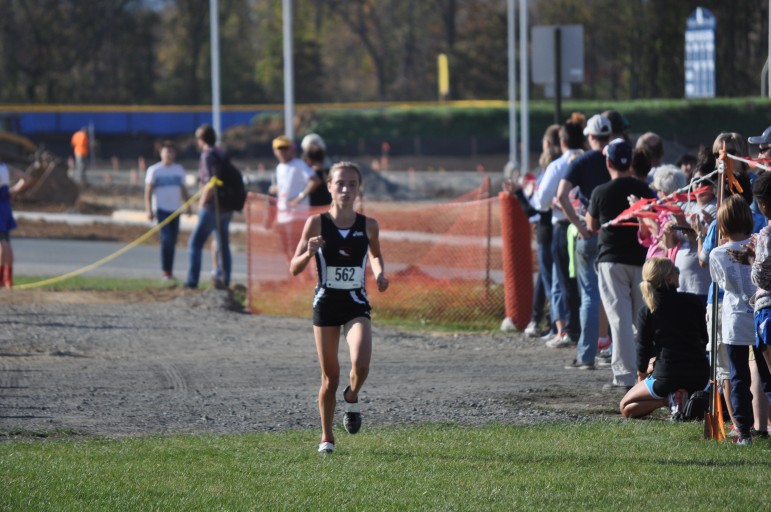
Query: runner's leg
[[327, 342], [358, 334]]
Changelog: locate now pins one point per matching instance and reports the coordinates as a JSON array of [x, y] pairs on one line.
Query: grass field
[[594, 465], [598, 465]]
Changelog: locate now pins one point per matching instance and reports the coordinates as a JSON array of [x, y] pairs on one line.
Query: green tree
[[74, 52]]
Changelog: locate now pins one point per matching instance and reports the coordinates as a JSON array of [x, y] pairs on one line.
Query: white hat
[[598, 126], [315, 139]]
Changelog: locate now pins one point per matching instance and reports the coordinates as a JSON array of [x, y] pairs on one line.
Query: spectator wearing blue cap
[[619, 260], [764, 157]]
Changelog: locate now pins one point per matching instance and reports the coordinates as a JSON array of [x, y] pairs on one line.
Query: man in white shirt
[[564, 294], [164, 193], [294, 183]]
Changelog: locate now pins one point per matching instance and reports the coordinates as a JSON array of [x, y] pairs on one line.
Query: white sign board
[[571, 51], [700, 54]]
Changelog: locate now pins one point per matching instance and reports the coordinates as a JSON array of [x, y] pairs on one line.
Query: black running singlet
[[341, 264]]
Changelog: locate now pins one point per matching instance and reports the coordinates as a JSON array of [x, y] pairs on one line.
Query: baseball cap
[[313, 139], [761, 139], [619, 152], [618, 123], [598, 126], [282, 141]]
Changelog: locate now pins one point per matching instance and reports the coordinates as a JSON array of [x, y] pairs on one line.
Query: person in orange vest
[[79, 144]]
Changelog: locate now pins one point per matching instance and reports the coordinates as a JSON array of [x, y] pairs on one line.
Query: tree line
[[158, 51]]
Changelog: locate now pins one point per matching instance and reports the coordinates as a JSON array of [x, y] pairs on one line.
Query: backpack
[[696, 406], [231, 195]]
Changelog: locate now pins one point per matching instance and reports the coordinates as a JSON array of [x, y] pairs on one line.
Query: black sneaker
[[762, 434], [611, 386], [352, 415], [577, 365]]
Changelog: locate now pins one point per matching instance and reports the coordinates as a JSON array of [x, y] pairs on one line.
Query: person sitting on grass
[[672, 338]]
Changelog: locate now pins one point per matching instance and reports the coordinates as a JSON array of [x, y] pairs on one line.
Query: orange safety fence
[[443, 261]]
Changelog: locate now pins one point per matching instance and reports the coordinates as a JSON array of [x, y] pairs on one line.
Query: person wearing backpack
[[212, 217], [295, 182]]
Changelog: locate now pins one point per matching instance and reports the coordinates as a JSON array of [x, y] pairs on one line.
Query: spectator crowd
[[645, 267]]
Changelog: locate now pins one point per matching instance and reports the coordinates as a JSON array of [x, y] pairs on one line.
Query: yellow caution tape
[[214, 181]]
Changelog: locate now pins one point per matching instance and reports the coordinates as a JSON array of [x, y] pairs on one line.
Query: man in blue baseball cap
[[763, 142], [619, 260]]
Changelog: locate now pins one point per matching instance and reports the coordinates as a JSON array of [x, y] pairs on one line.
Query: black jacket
[[676, 333]]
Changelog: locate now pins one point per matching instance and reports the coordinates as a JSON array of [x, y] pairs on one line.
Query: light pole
[[524, 89], [215, 67], [512, 86], [288, 71]]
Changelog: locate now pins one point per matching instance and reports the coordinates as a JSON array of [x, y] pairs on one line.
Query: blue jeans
[[741, 395], [560, 286], [586, 255], [168, 234], [207, 223], [543, 286]]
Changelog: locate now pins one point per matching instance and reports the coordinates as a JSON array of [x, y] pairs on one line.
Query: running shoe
[[352, 416], [762, 434], [612, 386], [578, 365], [326, 447], [742, 441], [532, 330], [560, 341], [733, 432]]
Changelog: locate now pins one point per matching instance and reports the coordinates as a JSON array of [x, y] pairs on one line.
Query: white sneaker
[[560, 341], [532, 330], [326, 447]]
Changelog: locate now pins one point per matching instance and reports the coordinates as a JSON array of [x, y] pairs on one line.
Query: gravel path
[[99, 366]]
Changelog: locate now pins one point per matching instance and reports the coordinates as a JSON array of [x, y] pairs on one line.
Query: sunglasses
[[282, 148]]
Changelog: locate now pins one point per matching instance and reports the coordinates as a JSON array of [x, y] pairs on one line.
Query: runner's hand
[[314, 244], [382, 283]]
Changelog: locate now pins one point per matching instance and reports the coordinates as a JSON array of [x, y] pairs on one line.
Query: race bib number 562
[[345, 278]]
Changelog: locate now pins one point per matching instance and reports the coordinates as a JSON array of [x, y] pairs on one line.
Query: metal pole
[[288, 71], [215, 68], [524, 85], [91, 144], [512, 86], [557, 75]]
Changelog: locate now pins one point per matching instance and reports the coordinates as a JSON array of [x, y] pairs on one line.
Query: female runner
[[341, 241]]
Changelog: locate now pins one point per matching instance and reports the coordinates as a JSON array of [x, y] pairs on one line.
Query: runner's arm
[[309, 243], [375, 256]]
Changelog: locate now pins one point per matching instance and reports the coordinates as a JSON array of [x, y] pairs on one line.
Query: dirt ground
[[174, 361], [180, 361]]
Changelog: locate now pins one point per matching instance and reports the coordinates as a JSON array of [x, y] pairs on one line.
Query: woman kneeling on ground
[[673, 333]]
